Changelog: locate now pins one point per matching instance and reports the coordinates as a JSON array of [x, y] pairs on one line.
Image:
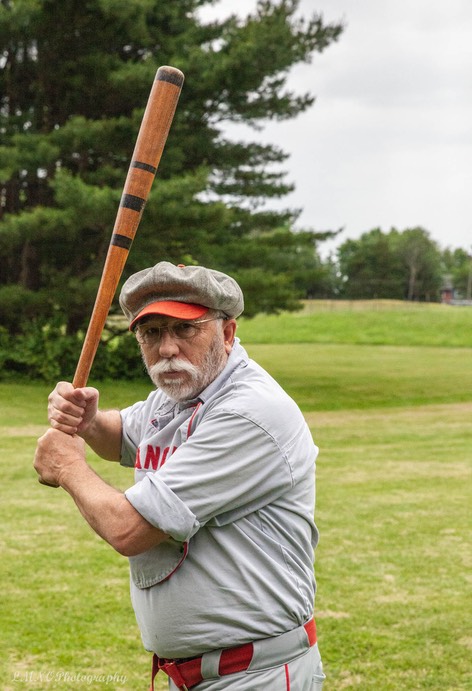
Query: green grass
[[26, 404], [336, 377], [394, 561], [393, 506], [375, 322]]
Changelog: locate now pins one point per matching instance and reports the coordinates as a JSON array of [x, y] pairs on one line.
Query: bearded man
[[219, 523]]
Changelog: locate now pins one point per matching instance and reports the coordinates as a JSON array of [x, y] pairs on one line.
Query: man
[[218, 526]]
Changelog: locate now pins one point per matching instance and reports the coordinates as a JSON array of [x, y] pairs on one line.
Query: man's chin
[[171, 381], [178, 390]]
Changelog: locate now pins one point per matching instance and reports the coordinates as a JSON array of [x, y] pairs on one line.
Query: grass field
[[394, 565], [365, 322]]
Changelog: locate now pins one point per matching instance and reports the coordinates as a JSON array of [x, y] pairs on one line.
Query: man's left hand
[[57, 454]]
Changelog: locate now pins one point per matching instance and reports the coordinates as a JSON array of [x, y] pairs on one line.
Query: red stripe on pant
[[287, 677]]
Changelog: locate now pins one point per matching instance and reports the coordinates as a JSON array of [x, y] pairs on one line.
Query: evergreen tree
[[74, 80]]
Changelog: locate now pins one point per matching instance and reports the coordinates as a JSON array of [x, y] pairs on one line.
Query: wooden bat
[[147, 153]]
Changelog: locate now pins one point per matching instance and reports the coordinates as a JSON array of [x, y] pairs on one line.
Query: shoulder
[[254, 387], [253, 395]]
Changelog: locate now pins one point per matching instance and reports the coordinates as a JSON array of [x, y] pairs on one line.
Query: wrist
[[88, 429], [72, 473]]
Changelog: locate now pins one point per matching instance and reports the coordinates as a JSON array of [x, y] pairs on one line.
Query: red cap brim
[[170, 308]]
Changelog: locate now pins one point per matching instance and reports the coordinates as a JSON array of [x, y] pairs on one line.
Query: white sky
[[388, 142]]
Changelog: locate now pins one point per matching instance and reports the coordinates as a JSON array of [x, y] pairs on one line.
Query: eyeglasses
[[150, 335]]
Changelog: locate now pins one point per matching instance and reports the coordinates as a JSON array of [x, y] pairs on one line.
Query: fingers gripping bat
[[147, 153]]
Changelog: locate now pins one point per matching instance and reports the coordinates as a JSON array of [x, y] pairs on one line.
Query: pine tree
[[74, 81]]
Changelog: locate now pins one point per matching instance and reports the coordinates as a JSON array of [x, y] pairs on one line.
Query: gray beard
[[194, 379]]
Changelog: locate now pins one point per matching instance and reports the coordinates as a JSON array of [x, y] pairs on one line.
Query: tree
[[370, 268], [278, 268], [422, 258], [404, 265], [74, 79], [458, 264]]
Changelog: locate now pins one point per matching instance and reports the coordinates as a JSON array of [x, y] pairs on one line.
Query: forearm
[[103, 434], [60, 462], [108, 512]]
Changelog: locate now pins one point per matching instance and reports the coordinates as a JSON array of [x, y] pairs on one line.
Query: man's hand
[[75, 411], [72, 410], [58, 454]]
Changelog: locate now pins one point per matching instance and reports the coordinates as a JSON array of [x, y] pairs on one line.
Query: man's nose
[[168, 344]]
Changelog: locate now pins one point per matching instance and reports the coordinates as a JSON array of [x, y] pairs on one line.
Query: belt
[[188, 673]]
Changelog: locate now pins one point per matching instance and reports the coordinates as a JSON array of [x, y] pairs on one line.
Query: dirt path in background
[[329, 418], [25, 431]]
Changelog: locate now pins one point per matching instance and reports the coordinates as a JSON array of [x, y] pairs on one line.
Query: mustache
[[164, 366]]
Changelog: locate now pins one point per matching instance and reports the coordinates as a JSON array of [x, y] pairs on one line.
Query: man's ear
[[229, 331]]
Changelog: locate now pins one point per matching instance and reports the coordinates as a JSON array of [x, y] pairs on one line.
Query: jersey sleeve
[[229, 467]]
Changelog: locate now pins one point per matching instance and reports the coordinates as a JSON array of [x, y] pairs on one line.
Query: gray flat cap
[[184, 292]]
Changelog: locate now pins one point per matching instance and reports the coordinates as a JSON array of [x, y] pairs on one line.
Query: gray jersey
[[230, 477]]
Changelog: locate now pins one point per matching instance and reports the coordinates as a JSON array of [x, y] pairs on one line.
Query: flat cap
[[183, 292]]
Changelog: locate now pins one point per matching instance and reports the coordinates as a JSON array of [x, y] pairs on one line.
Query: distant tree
[[402, 265], [74, 79], [458, 264], [370, 268], [422, 258]]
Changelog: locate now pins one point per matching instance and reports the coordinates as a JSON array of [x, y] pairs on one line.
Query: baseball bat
[[149, 146]]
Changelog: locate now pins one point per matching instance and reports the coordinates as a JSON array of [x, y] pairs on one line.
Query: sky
[[388, 141]]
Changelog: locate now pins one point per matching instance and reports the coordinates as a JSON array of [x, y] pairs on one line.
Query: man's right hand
[[72, 410]]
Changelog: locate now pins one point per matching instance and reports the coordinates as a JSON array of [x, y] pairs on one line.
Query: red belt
[[187, 674]]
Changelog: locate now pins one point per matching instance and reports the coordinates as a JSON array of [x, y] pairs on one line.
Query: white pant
[[304, 673]]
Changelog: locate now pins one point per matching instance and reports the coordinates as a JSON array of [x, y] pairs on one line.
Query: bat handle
[[112, 270]]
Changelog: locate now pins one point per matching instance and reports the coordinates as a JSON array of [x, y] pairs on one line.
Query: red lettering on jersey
[[152, 457], [164, 454]]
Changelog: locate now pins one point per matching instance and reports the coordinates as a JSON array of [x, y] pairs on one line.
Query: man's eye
[[184, 329], [151, 332]]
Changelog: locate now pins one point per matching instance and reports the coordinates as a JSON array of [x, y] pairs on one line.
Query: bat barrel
[[147, 153]]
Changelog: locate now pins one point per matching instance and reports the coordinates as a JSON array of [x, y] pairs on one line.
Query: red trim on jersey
[[190, 422], [184, 554]]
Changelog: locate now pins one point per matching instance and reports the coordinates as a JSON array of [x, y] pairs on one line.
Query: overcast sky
[[388, 142]]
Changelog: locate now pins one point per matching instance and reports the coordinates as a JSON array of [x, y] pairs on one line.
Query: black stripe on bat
[[144, 166], [130, 201], [121, 241]]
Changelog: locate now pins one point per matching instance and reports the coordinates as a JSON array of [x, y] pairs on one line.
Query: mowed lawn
[[394, 564]]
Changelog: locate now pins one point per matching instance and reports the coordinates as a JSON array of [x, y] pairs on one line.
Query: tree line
[[74, 81], [401, 265]]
